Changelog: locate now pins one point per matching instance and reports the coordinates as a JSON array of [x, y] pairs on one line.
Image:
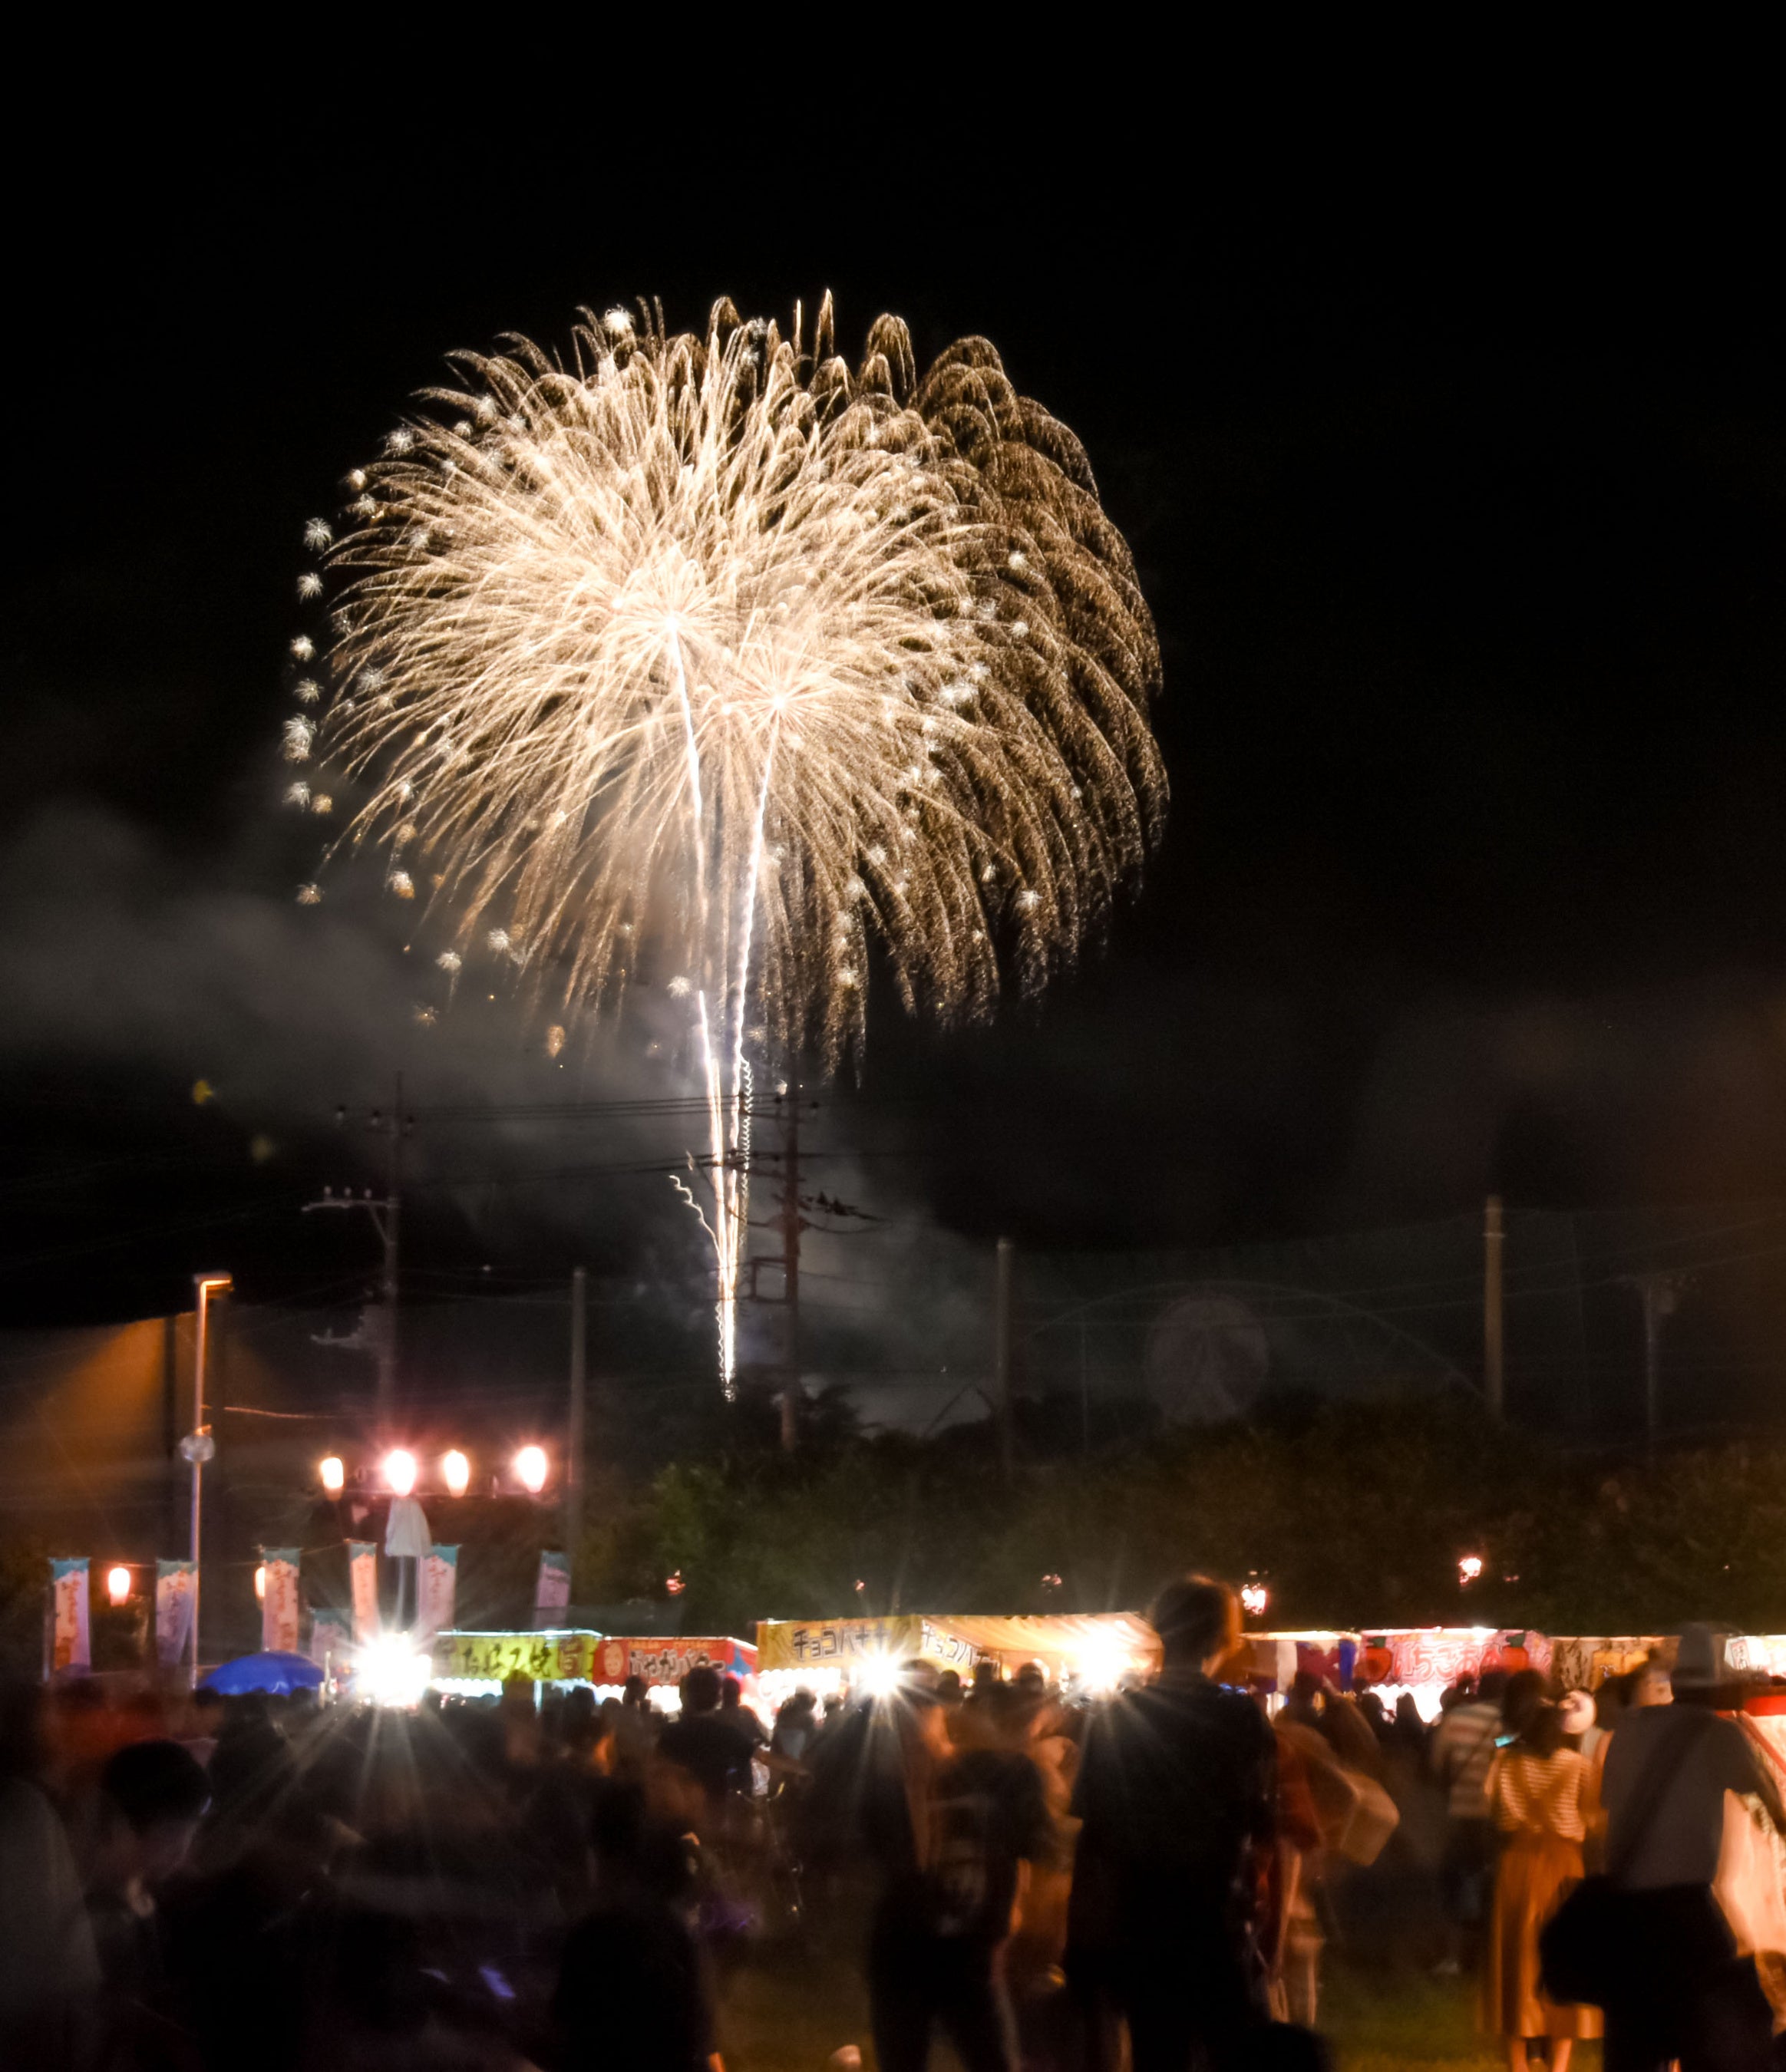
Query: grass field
[[781, 2014]]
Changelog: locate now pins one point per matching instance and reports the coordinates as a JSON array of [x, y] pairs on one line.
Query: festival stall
[[1426, 1660], [1094, 1650], [476, 1664]]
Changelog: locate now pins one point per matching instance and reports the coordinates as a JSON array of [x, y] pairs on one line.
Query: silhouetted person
[[48, 1971], [1682, 1990], [951, 1831], [1177, 1792], [632, 1990], [704, 1743]]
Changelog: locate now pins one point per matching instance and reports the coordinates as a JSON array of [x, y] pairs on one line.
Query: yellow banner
[[835, 1643], [488, 1658]]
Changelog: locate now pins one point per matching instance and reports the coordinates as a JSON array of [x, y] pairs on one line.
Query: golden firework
[[719, 649]]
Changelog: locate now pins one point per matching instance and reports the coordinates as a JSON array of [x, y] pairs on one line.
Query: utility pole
[[1660, 1295], [1494, 1344], [387, 1219], [1001, 1353], [790, 1272], [574, 1434]]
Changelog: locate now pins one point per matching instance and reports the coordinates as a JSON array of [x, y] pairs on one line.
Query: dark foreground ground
[[784, 2015]]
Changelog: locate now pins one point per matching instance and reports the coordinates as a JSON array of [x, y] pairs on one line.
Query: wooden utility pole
[[1001, 1353], [1494, 1343], [574, 1440]]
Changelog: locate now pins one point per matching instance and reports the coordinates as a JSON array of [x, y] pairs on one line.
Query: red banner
[[667, 1662]]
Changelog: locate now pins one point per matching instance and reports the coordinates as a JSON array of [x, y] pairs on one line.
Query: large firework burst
[[716, 650]]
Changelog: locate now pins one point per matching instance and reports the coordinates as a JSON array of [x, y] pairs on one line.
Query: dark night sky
[[1462, 517]]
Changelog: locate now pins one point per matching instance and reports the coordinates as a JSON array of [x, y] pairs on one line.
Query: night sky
[[1463, 520]]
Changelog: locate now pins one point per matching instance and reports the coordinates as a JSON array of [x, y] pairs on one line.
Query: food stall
[[1094, 1650], [468, 1664], [1426, 1660]]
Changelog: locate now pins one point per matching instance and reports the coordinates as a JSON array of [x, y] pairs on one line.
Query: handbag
[[1587, 1947]]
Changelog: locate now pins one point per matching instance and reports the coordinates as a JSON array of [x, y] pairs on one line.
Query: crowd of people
[[1046, 1881]]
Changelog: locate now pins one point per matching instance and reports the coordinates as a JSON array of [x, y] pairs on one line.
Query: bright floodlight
[[400, 1471], [118, 1585], [391, 1672], [1101, 1661], [457, 1471], [260, 1582], [531, 1468], [333, 1474], [880, 1676]]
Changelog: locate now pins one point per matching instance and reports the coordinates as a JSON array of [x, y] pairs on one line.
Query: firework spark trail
[[714, 654]]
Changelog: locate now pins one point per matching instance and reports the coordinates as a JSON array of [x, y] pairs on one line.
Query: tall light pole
[[198, 1447]]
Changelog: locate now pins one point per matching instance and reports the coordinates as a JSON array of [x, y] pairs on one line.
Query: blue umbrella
[[276, 1671]]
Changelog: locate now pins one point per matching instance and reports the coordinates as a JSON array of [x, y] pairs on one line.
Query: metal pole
[[1652, 1360], [1494, 1349], [198, 1471], [1001, 1353], [1084, 1396], [574, 1433], [390, 1230], [790, 1268], [204, 1284]]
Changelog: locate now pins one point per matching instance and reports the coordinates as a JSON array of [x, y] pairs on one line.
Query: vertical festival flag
[[363, 1574], [439, 1585], [279, 1601], [173, 1611], [553, 1593], [72, 1647], [330, 1642]]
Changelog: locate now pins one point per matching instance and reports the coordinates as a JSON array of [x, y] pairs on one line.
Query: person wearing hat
[[1683, 1992]]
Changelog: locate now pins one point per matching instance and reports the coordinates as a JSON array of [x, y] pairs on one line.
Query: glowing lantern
[[456, 1470], [400, 1471], [530, 1469], [118, 1585], [332, 1474]]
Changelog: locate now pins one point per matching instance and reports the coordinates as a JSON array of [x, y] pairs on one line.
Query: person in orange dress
[[1541, 1793]]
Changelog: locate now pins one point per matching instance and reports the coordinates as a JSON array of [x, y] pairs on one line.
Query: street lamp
[[332, 1474], [198, 1445], [531, 1468], [456, 1471]]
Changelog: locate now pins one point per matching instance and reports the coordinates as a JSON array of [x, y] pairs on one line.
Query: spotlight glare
[[400, 1471], [332, 1474], [391, 1672], [531, 1468], [456, 1470]]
